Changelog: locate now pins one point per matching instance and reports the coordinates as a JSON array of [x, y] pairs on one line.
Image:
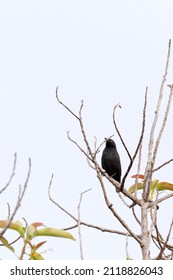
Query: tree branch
[[139, 142], [19, 200], [151, 156], [79, 225], [12, 174]]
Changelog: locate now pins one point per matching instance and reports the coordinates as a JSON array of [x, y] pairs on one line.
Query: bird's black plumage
[[111, 161]]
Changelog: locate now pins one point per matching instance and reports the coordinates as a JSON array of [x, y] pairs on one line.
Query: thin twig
[[166, 241], [118, 132], [82, 222], [163, 124], [139, 142], [162, 199], [54, 202], [12, 174], [19, 200], [67, 108], [138, 169], [134, 214], [79, 147], [162, 165], [79, 224]]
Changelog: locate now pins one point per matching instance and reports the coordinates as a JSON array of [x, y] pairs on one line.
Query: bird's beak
[[105, 139]]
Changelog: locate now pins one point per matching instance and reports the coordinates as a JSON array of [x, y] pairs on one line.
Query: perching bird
[[111, 160]]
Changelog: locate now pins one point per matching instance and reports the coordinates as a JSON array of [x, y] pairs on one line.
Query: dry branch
[[12, 174], [19, 200]]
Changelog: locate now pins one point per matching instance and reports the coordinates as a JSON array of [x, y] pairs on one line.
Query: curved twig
[[118, 132]]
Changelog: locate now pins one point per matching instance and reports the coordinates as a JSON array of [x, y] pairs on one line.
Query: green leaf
[[164, 186], [36, 256], [6, 244], [14, 225], [30, 231], [54, 232], [134, 187], [153, 184]]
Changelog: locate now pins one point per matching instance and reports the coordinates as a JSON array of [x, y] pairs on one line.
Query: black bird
[[111, 160]]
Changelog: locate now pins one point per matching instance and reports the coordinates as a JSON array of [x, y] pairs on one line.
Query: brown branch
[[137, 237], [166, 241], [102, 229], [117, 186], [154, 221], [79, 147], [134, 214], [162, 165], [110, 206], [168, 246]]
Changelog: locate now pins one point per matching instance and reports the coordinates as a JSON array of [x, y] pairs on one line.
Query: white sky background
[[104, 52]]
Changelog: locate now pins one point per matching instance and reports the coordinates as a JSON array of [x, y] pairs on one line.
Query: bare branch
[[110, 206], [139, 142], [166, 241], [91, 155], [118, 132], [54, 202], [162, 199], [19, 200], [91, 225], [117, 185], [163, 123], [138, 170], [66, 107], [83, 132], [81, 149], [144, 231], [154, 219], [151, 156], [12, 174], [134, 214], [162, 165], [79, 223]]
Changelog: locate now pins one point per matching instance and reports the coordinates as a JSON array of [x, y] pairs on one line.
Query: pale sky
[[104, 52]]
